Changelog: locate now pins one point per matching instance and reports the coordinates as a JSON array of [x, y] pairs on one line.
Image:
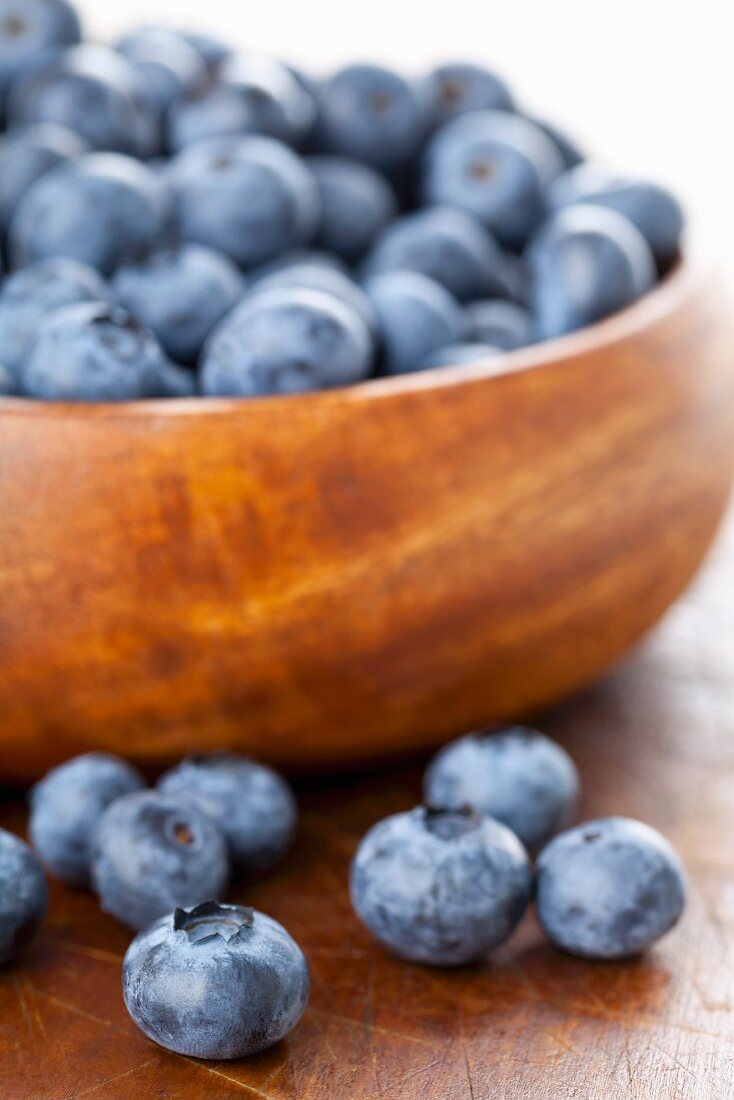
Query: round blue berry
[[440, 887], [609, 888], [219, 981], [23, 895], [252, 805], [29, 27], [150, 854], [28, 153], [67, 805], [357, 203], [517, 776], [319, 276], [459, 87], [168, 65], [415, 316], [500, 323]]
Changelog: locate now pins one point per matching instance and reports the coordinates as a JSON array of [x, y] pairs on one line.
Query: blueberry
[[440, 887], [373, 115], [459, 354], [100, 210], [654, 211], [286, 340], [459, 87], [28, 27], [30, 295], [504, 324], [151, 854], [609, 888], [449, 246], [211, 49], [494, 166], [586, 263], [93, 91], [28, 153], [357, 203], [252, 805], [219, 981], [166, 62], [251, 198], [518, 776], [415, 316], [250, 95], [180, 294], [320, 276], [95, 352], [23, 895], [8, 384], [571, 154], [67, 805]]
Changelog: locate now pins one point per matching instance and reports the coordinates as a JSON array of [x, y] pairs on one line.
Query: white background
[[647, 85]]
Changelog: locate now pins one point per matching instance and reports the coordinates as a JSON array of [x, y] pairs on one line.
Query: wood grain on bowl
[[334, 578]]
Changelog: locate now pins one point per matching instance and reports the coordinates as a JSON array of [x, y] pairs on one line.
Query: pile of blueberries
[[440, 885], [180, 218]]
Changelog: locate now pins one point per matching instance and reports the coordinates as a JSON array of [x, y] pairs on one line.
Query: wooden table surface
[[654, 740]]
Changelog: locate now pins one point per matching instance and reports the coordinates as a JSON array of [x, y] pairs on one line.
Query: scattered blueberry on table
[[23, 895], [189, 174]]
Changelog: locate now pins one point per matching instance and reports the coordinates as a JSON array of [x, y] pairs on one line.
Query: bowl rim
[[676, 287]]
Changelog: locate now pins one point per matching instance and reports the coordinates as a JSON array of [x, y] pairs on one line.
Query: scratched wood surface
[[655, 739]]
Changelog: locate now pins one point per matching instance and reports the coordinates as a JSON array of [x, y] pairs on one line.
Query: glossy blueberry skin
[[166, 62], [449, 246], [356, 204], [652, 209], [94, 352], [67, 805], [251, 198], [609, 889], [8, 384], [415, 316], [250, 95], [320, 276], [150, 854], [28, 27], [459, 87], [28, 153], [252, 804], [29, 296], [586, 263], [503, 324], [570, 152], [440, 888], [93, 91], [374, 115], [99, 210], [180, 294], [494, 166], [286, 340], [23, 895], [221, 981], [518, 776], [455, 355]]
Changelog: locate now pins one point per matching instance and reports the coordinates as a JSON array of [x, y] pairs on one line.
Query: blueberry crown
[[212, 920]]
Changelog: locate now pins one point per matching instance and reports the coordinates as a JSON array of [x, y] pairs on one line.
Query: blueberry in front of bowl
[[150, 854], [101, 210], [28, 153], [494, 166], [180, 294], [251, 198], [250, 94], [29, 296], [454, 355], [357, 202], [251, 803], [609, 889], [23, 895], [654, 211], [286, 340], [28, 27], [374, 115], [66, 806], [503, 324], [218, 981], [449, 246], [586, 263], [459, 87], [440, 887], [96, 352], [516, 775], [309, 275], [415, 316]]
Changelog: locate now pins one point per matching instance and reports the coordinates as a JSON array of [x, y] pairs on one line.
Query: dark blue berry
[[23, 895], [415, 316], [29, 27], [357, 203], [28, 153], [308, 275], [459, 87]]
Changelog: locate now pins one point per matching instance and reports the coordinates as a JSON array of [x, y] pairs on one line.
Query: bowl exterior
[[326, 580]]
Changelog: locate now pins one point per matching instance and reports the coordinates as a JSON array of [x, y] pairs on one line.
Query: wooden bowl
[[334, 578]]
